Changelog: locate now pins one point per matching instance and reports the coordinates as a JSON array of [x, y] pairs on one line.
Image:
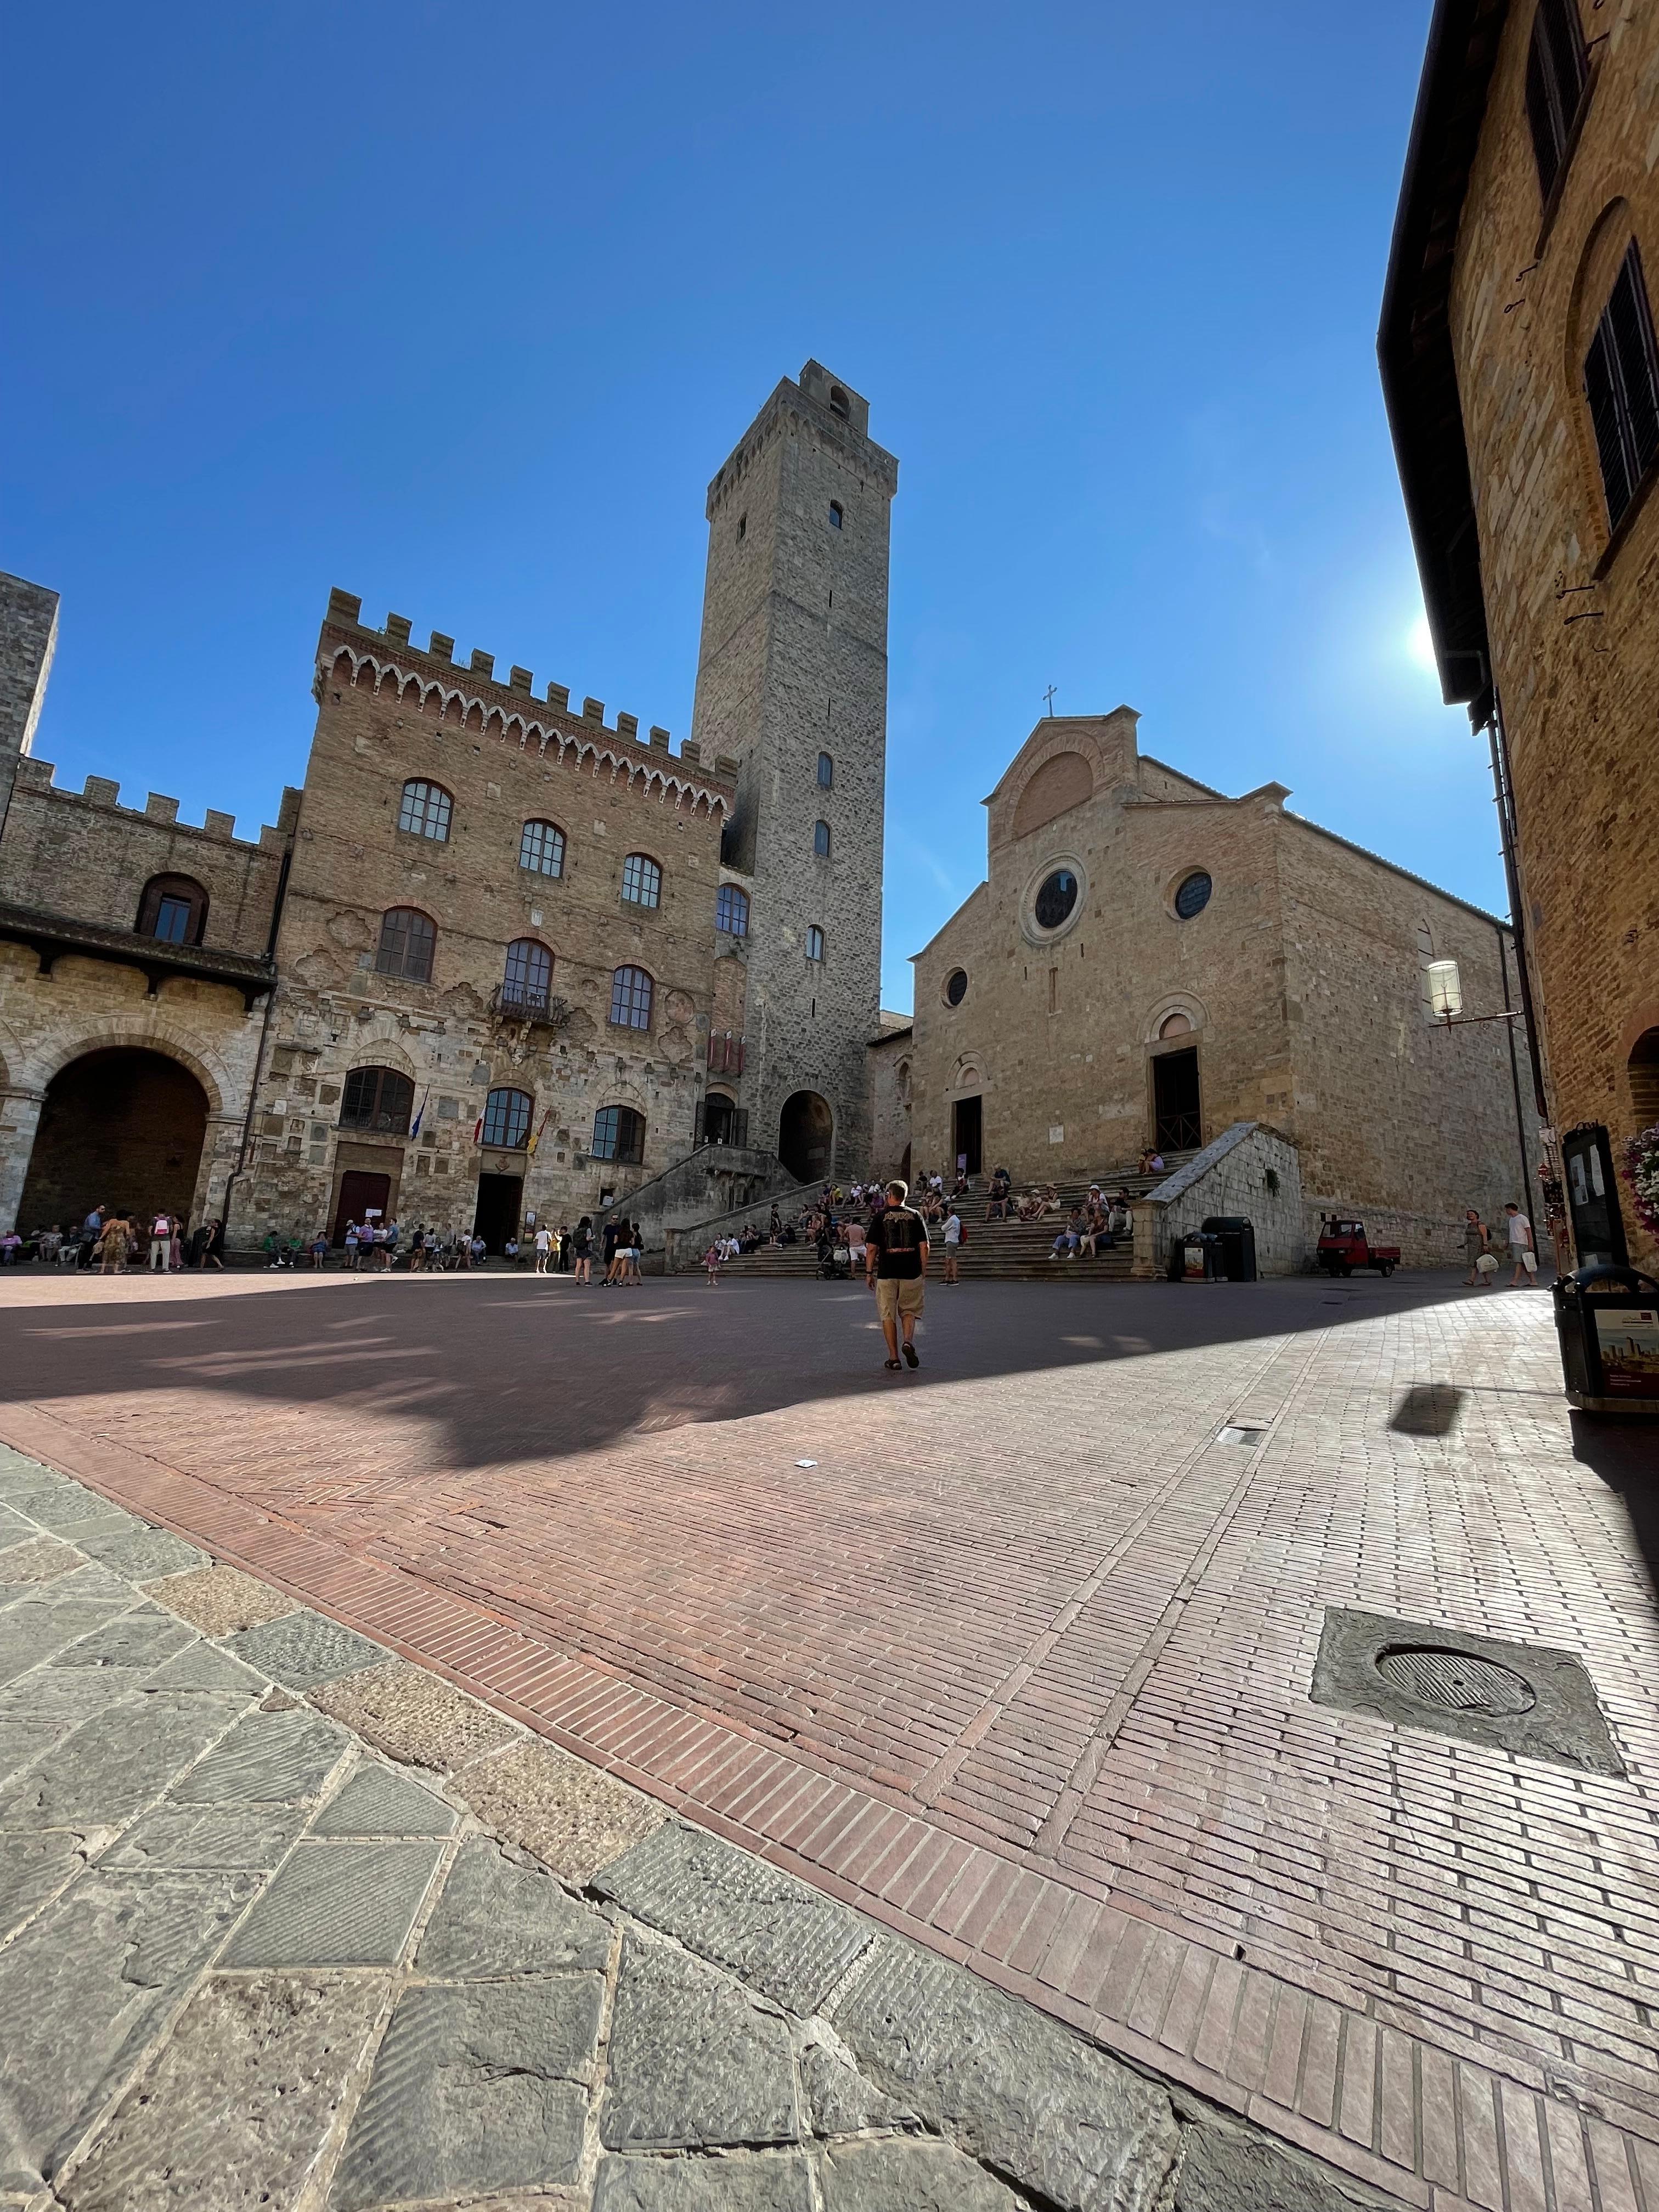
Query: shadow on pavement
[[517, 1368], [1623, 1451]]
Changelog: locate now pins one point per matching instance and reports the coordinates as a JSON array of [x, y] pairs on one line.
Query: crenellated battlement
[[104, 793], [430, 682]]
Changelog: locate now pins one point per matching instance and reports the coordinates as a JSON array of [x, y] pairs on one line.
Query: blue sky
[[461, 307]]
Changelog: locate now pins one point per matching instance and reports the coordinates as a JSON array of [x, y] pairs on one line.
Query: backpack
[[961, 1232]]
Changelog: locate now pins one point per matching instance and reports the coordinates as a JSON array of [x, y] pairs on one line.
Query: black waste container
[[1237, 1238], [1607, 1320]]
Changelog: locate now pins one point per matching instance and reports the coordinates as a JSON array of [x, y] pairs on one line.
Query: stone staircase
[[996, 1251]]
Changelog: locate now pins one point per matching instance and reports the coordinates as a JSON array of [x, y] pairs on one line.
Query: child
[[711, 1260]]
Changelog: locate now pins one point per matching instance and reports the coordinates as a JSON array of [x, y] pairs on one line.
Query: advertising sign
[[1628, 1337]]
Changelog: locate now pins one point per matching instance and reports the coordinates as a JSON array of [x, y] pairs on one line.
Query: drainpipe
[[1515, 1076], [1503, 798]]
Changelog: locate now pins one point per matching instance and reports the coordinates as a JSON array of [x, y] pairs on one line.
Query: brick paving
[[1020, 1666]]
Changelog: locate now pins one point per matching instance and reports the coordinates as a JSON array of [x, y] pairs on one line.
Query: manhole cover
[[1456, 1681]]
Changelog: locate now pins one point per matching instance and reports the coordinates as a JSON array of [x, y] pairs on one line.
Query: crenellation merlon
[[479, 682], [103, 793]]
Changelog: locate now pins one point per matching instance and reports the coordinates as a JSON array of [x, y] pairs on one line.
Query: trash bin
[[1237, 1238], [1607, 1320], [1195, 1257]]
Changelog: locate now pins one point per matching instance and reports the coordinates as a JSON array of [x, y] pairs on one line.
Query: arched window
[[529, 973], [732, 911], [173, 910], [630, 998], [376, 1098], [642, 881], [408, 941], [836, 518], [425, 811], [507, 1117], [815, 943], [618, 1135], [541, 848], [821, 840], [839, 403], [826, 772]]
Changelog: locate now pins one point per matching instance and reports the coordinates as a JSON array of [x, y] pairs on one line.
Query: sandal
[[910, 1355], [894, 1365]]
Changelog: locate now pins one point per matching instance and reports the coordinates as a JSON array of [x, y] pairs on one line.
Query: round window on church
[[1057, 896], [955, 986], [1194, 896]]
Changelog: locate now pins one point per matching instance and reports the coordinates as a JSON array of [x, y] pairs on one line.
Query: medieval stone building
[[1150, 962], [1521, 365], [498, 958]]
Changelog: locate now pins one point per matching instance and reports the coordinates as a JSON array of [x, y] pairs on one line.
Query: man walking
[[1524, 1271], [896, 1268]]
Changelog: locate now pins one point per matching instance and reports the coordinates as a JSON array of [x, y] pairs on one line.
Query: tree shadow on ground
[[515, 1369]]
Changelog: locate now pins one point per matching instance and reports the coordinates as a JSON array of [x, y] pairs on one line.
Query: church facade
[[1149, 962]]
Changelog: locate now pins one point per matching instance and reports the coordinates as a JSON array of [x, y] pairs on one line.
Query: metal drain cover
[[1455, 1681], [1524, 1697]]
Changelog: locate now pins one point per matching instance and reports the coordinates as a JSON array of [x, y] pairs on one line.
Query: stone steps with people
[[996, 1251]]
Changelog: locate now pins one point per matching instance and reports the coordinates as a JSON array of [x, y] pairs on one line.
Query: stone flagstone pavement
[[286, 1923]]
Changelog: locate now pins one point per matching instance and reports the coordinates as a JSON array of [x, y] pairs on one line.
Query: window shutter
[[700, 1127], [1540, 115], [1557, 69], [1621, 383], [1602, 391]]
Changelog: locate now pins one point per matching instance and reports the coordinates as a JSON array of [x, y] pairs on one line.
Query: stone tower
[[28, 638], [792, 678]]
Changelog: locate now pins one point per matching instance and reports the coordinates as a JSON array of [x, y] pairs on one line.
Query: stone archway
[[120, 1127], [1642, 1069], [807, 1133]]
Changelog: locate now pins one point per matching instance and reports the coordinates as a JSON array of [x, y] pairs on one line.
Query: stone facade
[[390, 716], [77, 979], [890, 1098], [29, 639], [1570, 605], [1247, 1171], [1293, 996], [793, 666]]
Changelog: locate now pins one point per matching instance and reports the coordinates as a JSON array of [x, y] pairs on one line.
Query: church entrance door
[[1177, 1116], [969, 1117]]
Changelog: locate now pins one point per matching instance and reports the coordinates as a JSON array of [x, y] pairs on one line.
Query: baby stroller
[[834, 1262]]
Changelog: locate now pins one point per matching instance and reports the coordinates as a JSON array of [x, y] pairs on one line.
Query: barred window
[[618, 1135], [506, 1119], [425, 811], [528, 975], [815, 943], [630, 998], [541, 846], [408, 941], [732, 911], [376, 1098], [821, 840], [1621, 382], [642, 881]]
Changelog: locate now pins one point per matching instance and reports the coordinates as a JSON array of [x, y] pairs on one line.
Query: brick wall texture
[[1577, 696], [1300, 983]]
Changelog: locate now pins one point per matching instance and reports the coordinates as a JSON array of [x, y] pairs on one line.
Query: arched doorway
[[122, 1127], [807, 1131]]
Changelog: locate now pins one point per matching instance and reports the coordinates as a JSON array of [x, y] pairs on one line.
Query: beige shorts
[[894, 1298]]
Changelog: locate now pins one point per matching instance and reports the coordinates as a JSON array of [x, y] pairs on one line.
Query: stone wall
[[715, 1182], [890, 1089], [29, 639], [390, 713], [1529, 288], [793, 663], [1250, 1173]]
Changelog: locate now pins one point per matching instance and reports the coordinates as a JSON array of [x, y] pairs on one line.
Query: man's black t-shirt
[[899, 1237]]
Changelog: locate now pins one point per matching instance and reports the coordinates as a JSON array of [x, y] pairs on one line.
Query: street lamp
[[1446, 996]]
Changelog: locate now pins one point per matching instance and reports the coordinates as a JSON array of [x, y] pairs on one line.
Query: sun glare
[[1420, 645]]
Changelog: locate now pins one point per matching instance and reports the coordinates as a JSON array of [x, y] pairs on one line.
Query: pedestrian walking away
[[583, 1242], [543, 1246], [896, 1268], [1523, 1255]]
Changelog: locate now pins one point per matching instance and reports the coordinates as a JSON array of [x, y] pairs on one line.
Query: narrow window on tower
[[1621, 383], [835, 517], [815, 943], [743, 528], [821, 840], [826, 773]]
